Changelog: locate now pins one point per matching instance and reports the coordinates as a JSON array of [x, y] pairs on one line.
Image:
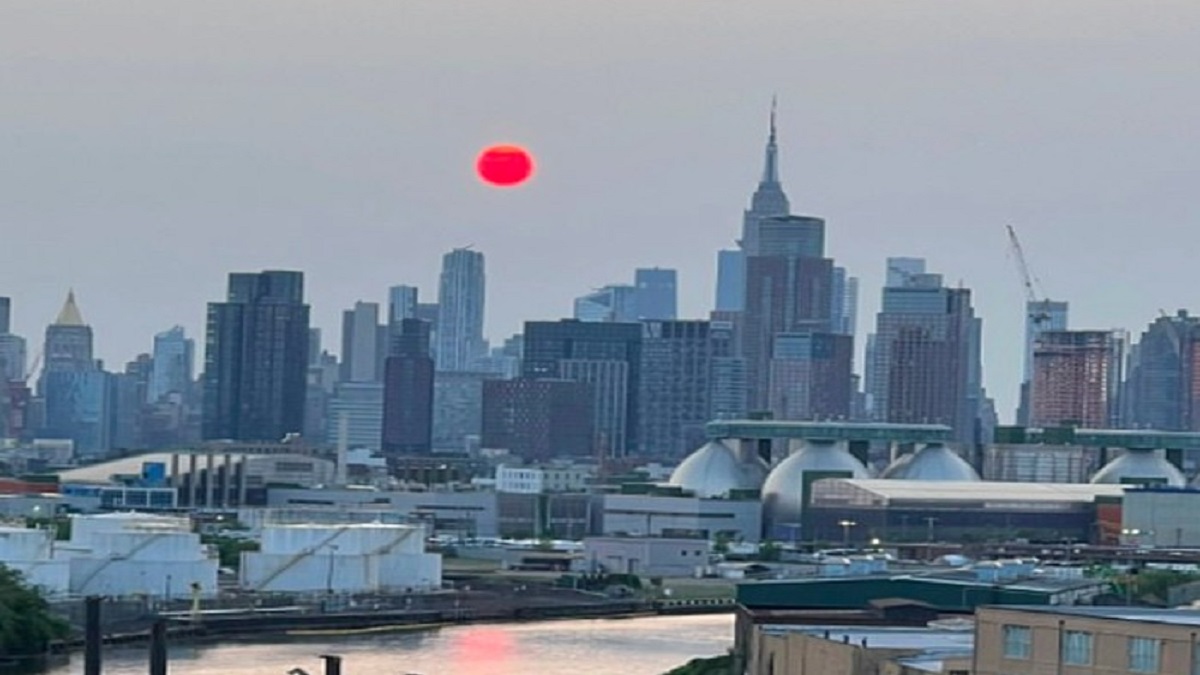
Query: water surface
[[650, 646]]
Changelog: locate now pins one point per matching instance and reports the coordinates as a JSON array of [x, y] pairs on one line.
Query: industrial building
[[1161, 516], [908, 510], [165, 480], [353, 558]]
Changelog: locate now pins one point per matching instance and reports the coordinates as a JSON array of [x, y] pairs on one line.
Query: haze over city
[[149, 150]]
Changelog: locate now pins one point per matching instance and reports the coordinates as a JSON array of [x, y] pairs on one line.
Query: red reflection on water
[[481, 645]]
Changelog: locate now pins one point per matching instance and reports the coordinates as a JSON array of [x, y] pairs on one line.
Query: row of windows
[[1144, 654]]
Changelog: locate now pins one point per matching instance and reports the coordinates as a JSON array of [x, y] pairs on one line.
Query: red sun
[[504, 165]]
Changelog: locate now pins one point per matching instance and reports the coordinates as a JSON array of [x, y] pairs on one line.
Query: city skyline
[[1070, 123]]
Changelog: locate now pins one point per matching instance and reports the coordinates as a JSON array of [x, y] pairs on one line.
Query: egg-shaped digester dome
[[1140, 466], [935, 462], [716, 469], [783, 491]]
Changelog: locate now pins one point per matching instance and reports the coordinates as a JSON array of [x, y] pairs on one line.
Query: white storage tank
[[783, 493], [124, 554], [353, 558]]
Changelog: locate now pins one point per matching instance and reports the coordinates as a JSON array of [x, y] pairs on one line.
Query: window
[[1077, 648], [1144, 654], [1017, 642]]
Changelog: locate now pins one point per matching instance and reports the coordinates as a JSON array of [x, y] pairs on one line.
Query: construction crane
[[1039, 306]]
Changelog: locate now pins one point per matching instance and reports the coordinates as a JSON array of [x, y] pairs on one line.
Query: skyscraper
[[361, 336], [605, 355], [408, 392], [402, 304], [844, 313], [1160, 373], [676, 386], [768, 201], [538, 419], [811, 376], [1076, 374], [926, 367], [459, 338], [256, 358], [174, 356], [657, 295], [68, 345], [1040, 316], [615, 302], [12, 351], [75, 390], [731, 280]]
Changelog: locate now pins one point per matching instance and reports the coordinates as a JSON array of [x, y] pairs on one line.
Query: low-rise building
[[646, 556], [1078, 640], [674, 516], [542, 479]]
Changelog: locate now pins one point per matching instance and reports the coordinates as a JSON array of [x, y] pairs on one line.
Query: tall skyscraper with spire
[[68, 345], [768, 201]]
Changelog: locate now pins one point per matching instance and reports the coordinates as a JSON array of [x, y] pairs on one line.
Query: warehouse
[[909, 510]]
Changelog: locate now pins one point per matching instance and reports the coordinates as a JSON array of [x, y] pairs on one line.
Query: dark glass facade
[[408, 391], [256, 358]]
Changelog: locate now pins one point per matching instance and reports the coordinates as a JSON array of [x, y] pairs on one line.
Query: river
[[649, 645]]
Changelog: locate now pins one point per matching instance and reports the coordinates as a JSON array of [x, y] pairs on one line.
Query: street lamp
[[846, 525], [329, 572]]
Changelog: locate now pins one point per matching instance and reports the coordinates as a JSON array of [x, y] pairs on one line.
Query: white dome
[[1140, 466], [715, 469], [933, 462], [783, 492]]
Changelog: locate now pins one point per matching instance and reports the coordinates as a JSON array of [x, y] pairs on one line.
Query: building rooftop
[[105, 472], [1175, 617], [883, 491], [931, 645]]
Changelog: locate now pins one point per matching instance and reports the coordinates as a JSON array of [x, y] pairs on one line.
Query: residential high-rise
[[728, 398], [408, 392], [457, 408], [256, 358], [677, 376], [174, 356], [5, 315], [538, 419], [1076, 375], [926, 355], [459, 337], [361, 343], [657, 295], [605, 355]]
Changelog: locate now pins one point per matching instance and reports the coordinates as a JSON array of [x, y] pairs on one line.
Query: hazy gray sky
[[148, 148]]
